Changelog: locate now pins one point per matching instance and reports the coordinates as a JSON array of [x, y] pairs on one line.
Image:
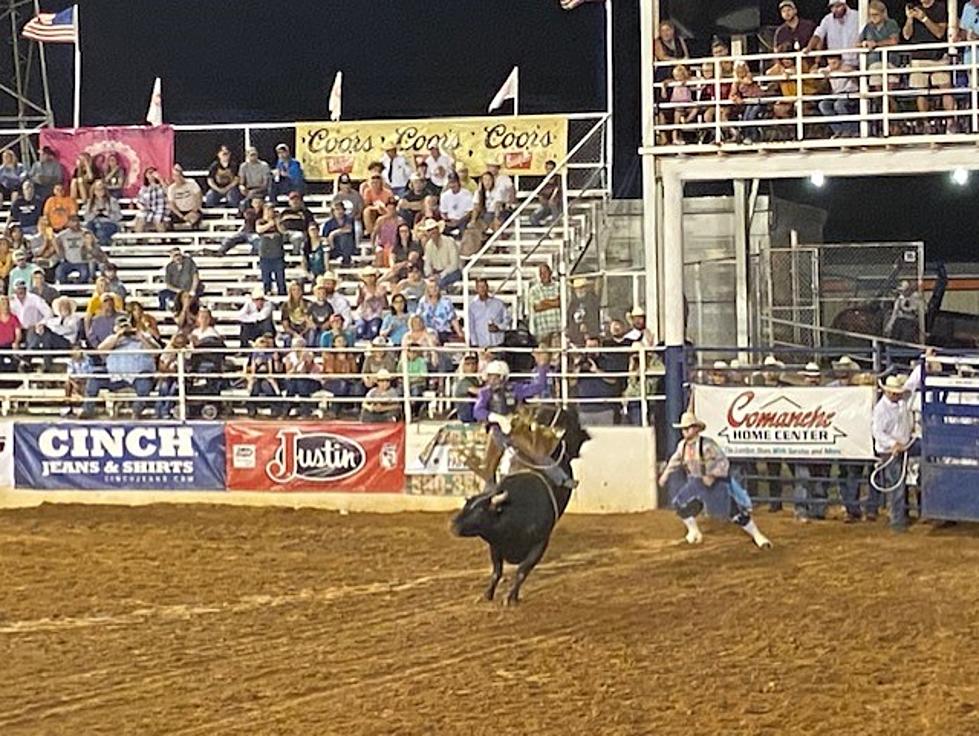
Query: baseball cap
[[786, 2], [282, 147], [20, 282]]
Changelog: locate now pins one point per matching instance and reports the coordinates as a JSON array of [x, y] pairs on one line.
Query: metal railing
[[789, 112], [187, 387]]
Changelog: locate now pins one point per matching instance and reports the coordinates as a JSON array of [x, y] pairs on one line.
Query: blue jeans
[[691, 497], [273, 268], [752, 112], [851, 477], [447, 279], [367, 329], [65, 269], [143, 386], [214, 199], [240, 238], [102, 229], [167, 387], [166, 296], [810, 495], [302, 388], [829, 108], [897, 500]]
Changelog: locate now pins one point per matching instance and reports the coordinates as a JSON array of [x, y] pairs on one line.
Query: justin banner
[[337, 456], [135, 148], [790, 423], [521, 144], [6, 455]]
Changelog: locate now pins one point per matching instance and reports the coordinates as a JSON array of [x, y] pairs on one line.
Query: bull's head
[[479, 514]]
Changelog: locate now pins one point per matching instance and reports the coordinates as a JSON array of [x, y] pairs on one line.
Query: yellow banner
[[520, 144]]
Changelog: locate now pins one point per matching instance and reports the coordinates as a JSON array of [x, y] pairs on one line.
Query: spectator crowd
[[708, 96]]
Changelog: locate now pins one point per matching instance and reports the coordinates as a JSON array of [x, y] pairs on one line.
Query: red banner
[[336, 456], [137, 148]]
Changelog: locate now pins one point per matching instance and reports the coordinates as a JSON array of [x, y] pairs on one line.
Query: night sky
[[257, 60]]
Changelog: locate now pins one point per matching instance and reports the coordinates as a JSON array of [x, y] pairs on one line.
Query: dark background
[[253, 60]]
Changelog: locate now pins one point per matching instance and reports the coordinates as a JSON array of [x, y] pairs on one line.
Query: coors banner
[[521, 144], [336, 456], [790, 423]]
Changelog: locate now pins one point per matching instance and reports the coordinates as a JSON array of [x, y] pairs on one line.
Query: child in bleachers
[[681, 94], [79, 367]]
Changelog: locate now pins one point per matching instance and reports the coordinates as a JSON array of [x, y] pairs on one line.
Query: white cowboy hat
[[258, 293], [369, 271], [637, 312], [894, 384], [812, 370], [735, 364], [430, 224], [328, 276], [719, 365], [383, 375], [772, 362], [689, 419], [846, 363], [497, 368]]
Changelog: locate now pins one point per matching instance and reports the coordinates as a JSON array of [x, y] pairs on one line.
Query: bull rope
[[881, 466]]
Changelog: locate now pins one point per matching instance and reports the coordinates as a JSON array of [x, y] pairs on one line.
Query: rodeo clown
[[708, 471], [496, 401]]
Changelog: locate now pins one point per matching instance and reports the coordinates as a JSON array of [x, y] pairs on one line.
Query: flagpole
[[516, 96], [78, 69]]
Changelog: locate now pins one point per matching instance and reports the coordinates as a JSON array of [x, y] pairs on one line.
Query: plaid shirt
[[547, 321], [153, 201]]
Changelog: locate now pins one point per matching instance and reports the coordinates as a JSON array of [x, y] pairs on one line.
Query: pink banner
[[137, 148]]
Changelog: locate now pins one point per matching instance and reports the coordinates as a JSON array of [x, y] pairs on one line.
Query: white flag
[[154, 116], [508, 91], [335, 94]]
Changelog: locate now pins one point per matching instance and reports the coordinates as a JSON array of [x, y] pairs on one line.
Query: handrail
[[846, 333], [795, 123], [514, 216]]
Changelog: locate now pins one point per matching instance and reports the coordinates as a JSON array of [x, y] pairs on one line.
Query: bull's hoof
[[512, 601], [487, 595]]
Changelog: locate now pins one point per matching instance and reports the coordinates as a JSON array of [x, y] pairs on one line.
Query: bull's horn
[[498, 498]]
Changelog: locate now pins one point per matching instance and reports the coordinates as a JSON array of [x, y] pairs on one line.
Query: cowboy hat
[[579, 283], [430, 224], [637, 312], [846, 363], [258, 293], [369, 271], [719, 365], [689, 419], [328, 276], [772, 362], [383, 375], [894, 384], [497, 368], [812, 370]]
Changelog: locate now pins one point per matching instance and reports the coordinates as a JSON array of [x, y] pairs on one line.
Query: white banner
[[6, 455], [789, 423]]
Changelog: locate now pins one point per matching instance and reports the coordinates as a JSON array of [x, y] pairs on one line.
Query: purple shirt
[[521, 391]]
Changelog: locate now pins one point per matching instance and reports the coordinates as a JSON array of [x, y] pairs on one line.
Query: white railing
[[184, 391], [787, 113]]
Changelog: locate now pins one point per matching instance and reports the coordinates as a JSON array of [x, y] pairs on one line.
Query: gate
[[950, 448]]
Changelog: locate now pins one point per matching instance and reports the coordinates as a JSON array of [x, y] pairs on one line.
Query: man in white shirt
[[839, 29], [506, 193], [440, 165], [255, 317], [456, 205], [488, 318], [441, 255], [396, 170], [29, 308], [337, 300], [184, 199], [892, 427]]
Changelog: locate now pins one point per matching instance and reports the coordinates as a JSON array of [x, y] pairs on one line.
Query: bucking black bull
[[516, 521]]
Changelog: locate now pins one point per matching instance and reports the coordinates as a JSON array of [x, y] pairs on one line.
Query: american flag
[[53, 27]]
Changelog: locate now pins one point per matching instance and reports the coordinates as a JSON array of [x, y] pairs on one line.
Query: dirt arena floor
[[207, 620]]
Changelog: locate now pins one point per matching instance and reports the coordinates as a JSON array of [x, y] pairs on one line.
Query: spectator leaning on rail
[[129, 364], [466, 388], [259, 372], [892, 428], [11, 334], [968, 31], [383, 402], [222, 180], [488, 318], [544, 305], [255, 317], [927, 23], [839, 29], [180, 274], [591, 387], [707, 471]]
